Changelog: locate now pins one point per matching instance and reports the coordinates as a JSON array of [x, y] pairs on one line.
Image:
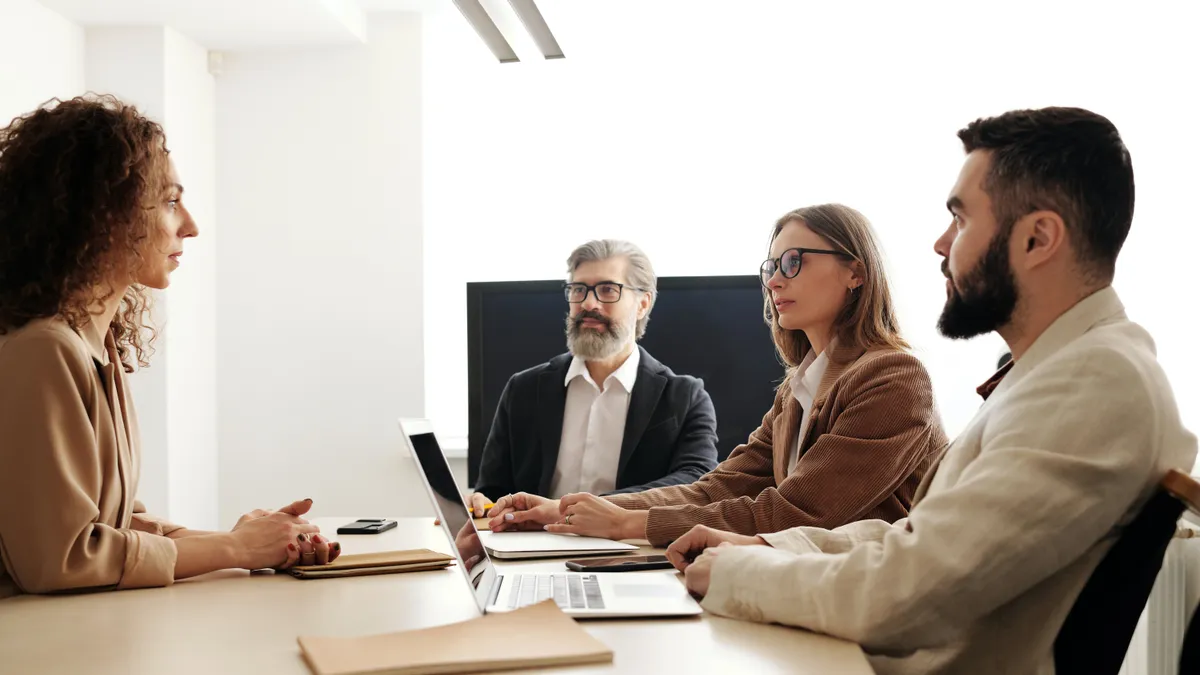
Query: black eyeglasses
[[607, 292], [789, 263]]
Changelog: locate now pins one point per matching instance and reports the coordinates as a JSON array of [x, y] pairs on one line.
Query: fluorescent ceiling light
[[532, 18], [478, 17]]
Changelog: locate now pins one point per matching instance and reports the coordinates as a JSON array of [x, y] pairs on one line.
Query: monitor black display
[[708, 327]]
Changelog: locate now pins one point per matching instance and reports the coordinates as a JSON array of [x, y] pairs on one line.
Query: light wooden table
[[233, 622]]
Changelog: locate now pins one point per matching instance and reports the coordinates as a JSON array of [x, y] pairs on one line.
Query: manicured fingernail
[[300, 538], [337, 546], [317, 539], [308, 499], [508, 517], [291, 547]]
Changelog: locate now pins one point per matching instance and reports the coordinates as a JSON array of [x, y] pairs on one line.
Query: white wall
[[353, 181], [41, 57], [127, 62], [166, 76], [320, 347], [191, 329], [689, 132]]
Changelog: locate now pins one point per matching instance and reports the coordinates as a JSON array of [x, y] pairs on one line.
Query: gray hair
[[640, 273]]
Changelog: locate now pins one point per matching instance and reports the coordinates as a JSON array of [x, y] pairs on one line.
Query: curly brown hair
[[75, 178]]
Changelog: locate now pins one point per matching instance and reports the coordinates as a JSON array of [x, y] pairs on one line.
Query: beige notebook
[[363, 564], [536, 636]]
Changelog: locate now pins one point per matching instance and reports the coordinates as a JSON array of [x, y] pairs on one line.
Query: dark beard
[[986, 297]]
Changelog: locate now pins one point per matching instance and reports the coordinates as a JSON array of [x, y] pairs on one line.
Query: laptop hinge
[[495, 591]]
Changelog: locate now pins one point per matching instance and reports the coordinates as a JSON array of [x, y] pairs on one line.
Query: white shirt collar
[[807, 378], [626, 374]]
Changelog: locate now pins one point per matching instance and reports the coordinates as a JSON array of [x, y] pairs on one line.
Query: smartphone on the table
[[629, 563], [367, 526]]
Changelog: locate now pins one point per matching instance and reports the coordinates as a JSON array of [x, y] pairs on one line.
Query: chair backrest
[[1189, 658], [1187, 490], [1096, 633]]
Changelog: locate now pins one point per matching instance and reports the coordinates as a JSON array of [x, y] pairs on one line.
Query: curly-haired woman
[[91, 216]]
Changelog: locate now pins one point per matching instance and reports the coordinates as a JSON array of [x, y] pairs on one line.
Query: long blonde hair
[[868, 319]]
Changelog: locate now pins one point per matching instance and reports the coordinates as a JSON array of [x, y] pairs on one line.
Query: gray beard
[[591, 345]]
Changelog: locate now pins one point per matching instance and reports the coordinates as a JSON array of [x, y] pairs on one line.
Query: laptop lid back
[[451, 509]]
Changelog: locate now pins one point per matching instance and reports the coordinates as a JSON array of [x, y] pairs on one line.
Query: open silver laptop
[[579, 594], [534, 543]]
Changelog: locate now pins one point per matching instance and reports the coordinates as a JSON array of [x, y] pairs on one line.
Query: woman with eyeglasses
[[853, 428]]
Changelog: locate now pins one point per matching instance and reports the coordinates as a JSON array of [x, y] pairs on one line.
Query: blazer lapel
[[784, 434], [647, 390], [788, 423], [923, 486], [551, 402]]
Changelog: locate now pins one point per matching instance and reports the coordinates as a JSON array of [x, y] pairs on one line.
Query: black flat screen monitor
[[708, 327]]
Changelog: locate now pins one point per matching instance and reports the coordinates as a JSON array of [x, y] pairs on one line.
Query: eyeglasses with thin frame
[[606, 292], [788, 264]]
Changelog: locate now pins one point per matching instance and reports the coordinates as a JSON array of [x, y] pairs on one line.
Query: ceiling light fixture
[[487, 31], [533, 21]]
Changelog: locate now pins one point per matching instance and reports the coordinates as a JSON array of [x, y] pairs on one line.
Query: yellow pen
[[486, 507]]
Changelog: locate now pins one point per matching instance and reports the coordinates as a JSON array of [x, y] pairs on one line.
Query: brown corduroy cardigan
[[873, 434]]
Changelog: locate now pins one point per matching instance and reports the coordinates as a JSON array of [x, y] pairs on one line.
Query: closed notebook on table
[[364, 564], [536, 636]]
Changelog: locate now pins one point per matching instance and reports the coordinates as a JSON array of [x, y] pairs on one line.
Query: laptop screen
[[456, 520]]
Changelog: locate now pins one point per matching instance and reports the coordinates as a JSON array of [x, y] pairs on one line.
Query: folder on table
[[364, 564], [531, 637]]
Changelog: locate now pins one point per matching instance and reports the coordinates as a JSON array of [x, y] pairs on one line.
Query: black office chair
[[1096, 634], [1189, 659]]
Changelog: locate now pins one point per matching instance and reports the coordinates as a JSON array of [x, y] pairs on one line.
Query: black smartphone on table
[[367, 526], [629, 563]]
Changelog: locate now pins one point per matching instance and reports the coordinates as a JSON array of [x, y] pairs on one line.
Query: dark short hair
[[1067, 160]]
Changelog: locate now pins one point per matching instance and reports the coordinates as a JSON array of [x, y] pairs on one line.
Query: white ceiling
[[243, 24], [404, 5]]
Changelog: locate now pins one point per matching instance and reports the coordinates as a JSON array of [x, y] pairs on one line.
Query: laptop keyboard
[[569, 591]]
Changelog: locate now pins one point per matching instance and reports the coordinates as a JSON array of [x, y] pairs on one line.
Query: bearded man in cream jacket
[[1072, 439]]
